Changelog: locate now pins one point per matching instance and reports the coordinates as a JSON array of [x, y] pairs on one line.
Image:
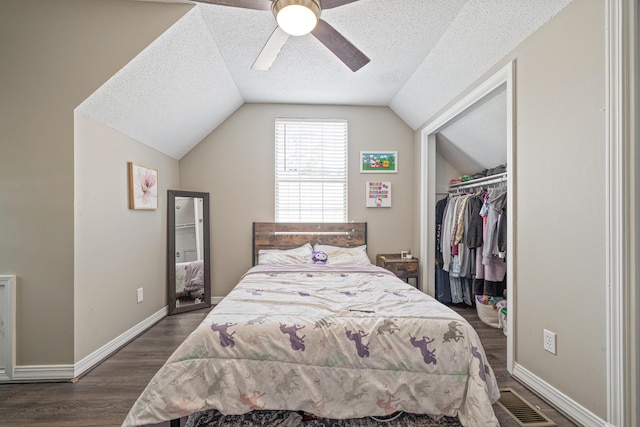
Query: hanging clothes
[[454, 255], [474, 230], [471, 246], [493, 260], [496, 201], [443, 286], [447, 229]]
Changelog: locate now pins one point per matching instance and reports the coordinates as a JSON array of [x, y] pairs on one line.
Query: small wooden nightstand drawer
[[401, 267]]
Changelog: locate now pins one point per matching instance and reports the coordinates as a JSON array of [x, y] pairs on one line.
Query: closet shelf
[[492, 179]]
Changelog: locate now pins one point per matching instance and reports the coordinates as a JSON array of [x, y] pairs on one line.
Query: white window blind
[[311, 170]]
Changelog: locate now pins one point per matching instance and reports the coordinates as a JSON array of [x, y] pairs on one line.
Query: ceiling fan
[[297, 18]]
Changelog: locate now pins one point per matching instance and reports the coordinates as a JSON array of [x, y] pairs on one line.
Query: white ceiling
[[477, 139], [423, 53]]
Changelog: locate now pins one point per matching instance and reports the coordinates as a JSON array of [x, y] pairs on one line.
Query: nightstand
[[402, 267]]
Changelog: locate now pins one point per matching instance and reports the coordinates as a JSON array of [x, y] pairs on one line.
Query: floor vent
[[523, 412]]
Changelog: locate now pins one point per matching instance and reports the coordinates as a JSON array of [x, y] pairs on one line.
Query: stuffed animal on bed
[[320, 257]]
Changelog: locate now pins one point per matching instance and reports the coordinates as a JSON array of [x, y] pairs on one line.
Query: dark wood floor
[[495, 346], [104, 395]]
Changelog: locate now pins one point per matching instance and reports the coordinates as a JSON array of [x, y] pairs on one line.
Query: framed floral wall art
[[143, 187]]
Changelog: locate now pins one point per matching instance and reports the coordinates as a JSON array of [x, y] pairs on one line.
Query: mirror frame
[[171, 251]]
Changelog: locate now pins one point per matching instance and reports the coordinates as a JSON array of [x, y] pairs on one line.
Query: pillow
[[337, 255], [299, 255]]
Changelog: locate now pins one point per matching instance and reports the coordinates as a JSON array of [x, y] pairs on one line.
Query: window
[[311, 170]]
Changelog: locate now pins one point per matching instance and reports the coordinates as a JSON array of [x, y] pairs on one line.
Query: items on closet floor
[[471, 245]]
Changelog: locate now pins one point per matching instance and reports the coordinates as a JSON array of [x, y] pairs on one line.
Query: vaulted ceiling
[[423, 53]]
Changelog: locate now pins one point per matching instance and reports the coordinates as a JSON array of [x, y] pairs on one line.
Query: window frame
[[334, 138]]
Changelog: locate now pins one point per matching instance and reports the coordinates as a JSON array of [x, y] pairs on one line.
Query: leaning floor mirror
[[188, 260]]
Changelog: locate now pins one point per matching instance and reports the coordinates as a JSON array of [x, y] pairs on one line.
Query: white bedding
[[189, 277], [338, 342]]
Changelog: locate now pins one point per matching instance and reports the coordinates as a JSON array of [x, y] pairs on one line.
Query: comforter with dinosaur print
[[334, 341]]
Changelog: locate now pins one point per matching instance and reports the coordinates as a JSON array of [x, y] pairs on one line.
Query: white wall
[[560, 201], [560, 220], [445, 172], [235, 163], [118, 250], [54, 55]]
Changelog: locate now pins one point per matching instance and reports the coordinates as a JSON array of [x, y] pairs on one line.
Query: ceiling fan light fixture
[[296, 17]]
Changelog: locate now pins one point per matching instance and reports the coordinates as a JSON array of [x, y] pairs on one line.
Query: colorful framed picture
[[378, 194], [378, 162], [143, 187]]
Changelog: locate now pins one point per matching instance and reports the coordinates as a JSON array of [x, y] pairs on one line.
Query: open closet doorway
[[495, 92]]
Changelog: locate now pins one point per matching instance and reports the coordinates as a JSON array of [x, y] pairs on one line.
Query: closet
[[471, 244], [474, 133]]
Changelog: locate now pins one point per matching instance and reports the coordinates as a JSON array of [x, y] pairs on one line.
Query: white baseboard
[[559, 400], [51, 373], [112, 346], [43, 373], [105, 351]]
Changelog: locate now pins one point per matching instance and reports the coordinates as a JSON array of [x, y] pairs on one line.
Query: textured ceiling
[[477, 140], [423, 53], [173, 94], [396, 39]]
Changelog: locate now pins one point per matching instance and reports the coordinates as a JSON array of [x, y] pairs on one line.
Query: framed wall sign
[[378, 194], [378, 162], [143, 187]]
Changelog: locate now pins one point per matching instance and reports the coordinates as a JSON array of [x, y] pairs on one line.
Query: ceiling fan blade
[[270, 51], [245, 4], [330, 4], [340, 46]]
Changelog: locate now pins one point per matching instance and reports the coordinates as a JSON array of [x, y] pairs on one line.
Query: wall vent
[[523, 412], [7, 326]]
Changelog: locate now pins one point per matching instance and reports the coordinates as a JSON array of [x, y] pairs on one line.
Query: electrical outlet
[[140, 295], [550, 341]]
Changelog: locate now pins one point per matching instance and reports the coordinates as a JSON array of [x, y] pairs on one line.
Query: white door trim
[[621, 316], [504, 78]]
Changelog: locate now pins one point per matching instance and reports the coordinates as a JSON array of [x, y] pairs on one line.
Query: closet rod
[[493, 179]]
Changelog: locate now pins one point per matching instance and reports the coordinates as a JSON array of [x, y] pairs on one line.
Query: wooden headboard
[[289, 235]]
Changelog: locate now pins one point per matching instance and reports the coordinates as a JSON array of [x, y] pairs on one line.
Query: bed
[[190, 279], [340, 339]]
